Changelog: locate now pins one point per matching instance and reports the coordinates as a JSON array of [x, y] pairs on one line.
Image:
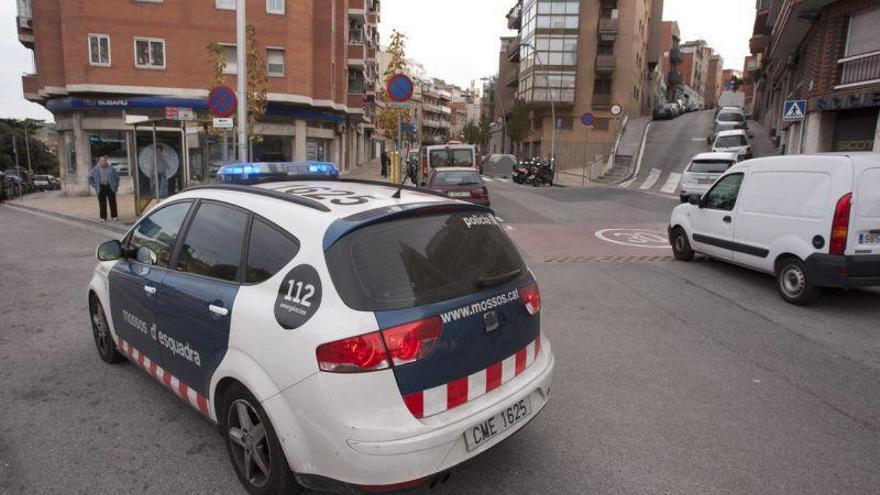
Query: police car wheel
[[253, 446], [101, 331]]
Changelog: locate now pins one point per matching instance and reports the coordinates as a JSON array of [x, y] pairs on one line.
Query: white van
[[811, 220]]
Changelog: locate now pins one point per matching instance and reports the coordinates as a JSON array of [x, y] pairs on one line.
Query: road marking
[[627, 183], [698, 139], [499, 219], [652, 179], [487, 179], [642, 238], [508, 227], [671, 183]]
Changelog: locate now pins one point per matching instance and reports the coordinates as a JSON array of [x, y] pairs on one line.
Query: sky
[[456, 40]]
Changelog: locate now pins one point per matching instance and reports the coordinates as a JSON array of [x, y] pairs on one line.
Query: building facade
[[670, 64], [584, 57], [695, 69], [101, 66], [714, 80], [827, 53]]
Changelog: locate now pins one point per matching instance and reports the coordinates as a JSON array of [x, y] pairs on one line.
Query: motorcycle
[[521, 172], [541, 173]]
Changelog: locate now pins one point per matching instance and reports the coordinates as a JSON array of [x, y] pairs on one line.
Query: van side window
[[213, 243], [158, 231], [723, 195], [269, 250]]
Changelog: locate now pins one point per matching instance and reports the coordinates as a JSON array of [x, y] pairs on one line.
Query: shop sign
[[844, 102]]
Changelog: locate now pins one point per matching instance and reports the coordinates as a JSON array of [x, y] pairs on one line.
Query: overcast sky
[[456, 40]]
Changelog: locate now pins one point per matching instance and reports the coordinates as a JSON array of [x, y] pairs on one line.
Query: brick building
[[714, 80], [829, 55], [585, 57], [695, 68], [670, 49], [100, 65]]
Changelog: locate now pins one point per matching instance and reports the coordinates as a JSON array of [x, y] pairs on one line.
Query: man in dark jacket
[[386, 162], [105, 180]]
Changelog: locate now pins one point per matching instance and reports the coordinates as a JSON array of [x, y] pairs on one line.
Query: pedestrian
[[105, 180], [386, 162]]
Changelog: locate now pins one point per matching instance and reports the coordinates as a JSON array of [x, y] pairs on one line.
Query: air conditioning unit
[[26, 22]]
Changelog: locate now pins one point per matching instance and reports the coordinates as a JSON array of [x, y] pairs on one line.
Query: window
[[225, 4], [275, 61], [565, 123], [420, 261], [723, 195], [275, 6], [602, 87], [230, 52], [269, 250], [212, 247], [862, 37], [99, 50], [149, 53], [158, 232]]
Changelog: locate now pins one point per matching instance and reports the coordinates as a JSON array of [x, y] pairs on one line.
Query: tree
[[519, 125], [12, 132], [485, 130], [387, 117], [257, 79], [471, 133]]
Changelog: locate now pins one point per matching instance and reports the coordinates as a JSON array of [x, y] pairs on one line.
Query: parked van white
[[811, 220]]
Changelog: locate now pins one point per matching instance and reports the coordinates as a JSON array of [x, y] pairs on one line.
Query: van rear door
[[864, 231]]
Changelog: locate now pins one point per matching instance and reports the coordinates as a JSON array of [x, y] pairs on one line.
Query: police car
[[344, 335]]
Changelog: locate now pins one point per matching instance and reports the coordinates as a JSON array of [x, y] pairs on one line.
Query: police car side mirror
[[109, 251]]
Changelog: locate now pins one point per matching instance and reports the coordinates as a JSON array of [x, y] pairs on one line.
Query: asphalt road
[[671, 377]]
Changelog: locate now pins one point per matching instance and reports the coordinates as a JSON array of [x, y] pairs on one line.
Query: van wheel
[[794, 283], [681, 246], [253, 446], [101, 331]]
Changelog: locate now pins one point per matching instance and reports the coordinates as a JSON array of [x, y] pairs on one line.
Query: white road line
[[508, 227], [652, 179], [671, 183], [488, 179], [499, 219], [698, 139]]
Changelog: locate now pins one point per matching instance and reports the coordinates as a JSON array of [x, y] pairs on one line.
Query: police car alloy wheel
[[101, 331], [253, 445]]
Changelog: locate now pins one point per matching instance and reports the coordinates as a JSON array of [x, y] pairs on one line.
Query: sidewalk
[[83, 209]]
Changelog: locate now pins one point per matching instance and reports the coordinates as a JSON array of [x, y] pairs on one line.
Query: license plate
[[459, 194], [705, 181], [872, 237], [480, 434]]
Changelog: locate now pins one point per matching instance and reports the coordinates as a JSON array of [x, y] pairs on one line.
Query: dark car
[[25, 180], [666, 111], [462, 183], [13, 187]]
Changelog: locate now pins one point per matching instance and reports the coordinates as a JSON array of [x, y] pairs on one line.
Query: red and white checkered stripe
[[445, 397], [182, 390]]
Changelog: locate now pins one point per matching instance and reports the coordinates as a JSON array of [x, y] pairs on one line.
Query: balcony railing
[[675, 56], [604, 63], [513, 50], [601, 101], [860, 69], [356, 36], [609, 25]]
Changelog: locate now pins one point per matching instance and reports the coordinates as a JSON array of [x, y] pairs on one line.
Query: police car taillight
[[380, 350], [530, 296], [412, 342]]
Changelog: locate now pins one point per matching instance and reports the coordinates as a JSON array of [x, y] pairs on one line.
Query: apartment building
[[695, 68], [714, 80], [670, 49], [581, 57], [827, 53], [101, 65]]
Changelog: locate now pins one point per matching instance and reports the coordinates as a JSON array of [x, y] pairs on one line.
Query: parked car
[[499, 165], [810, 220], [735, 141], [665, 111], [14, 186], [25, 182], [56, 183], [462, 183], [42, 183], [5, 191], [703, 170]]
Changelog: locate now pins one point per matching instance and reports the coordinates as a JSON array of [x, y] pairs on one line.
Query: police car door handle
[[218, 310], [149, 290]]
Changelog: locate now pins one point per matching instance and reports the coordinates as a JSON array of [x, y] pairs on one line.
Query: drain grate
[[608, 259]]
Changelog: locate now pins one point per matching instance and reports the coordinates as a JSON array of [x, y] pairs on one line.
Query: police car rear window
[[422, 260]]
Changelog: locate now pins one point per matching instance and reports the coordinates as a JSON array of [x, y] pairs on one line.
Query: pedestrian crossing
[[495, 179], [657, 180]]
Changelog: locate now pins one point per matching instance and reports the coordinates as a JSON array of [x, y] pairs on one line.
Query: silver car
[[703, 170]]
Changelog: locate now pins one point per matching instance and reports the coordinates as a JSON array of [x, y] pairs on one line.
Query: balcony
[[859, 70], [675, 56], [356, 9], [356, 55], [355, 101], [601, 101], [609, 25], [356, 37], [514, 17], [605, 63], [30, 86], [436, 109], [436, 124], [513, 50], [759, 43]]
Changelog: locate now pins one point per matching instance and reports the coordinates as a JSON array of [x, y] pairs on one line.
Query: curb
[[119, 228], [638, 165]]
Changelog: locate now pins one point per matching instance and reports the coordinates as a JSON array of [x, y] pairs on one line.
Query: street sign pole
[[241, 52]]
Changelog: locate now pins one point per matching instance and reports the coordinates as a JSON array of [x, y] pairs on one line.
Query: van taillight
[[375, 351], [530, 295], [840, 226]]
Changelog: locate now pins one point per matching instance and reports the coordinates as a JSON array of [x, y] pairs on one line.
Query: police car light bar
[[259, 173]]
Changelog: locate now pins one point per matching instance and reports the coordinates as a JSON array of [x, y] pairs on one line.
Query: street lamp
[[552, 103]]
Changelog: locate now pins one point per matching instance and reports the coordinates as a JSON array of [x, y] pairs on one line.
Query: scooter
[[521, 172]]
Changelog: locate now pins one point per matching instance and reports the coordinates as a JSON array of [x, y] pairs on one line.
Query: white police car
[[344, 335]]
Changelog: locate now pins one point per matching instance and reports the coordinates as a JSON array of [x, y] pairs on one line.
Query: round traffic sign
[[615, 110], [400, 88], [587, 119], [222, 101]]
